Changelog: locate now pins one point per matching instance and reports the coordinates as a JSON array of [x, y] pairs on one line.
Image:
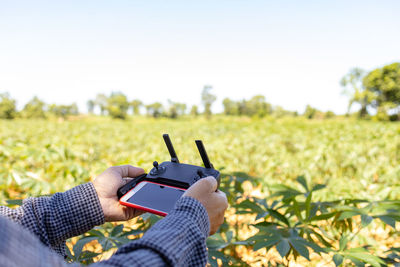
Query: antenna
[[203, 154], [171, 150]]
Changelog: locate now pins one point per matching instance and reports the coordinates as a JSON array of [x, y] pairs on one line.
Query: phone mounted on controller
[[174, 173]]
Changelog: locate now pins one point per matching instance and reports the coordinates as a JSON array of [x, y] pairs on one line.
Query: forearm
[[177, 240], [59, 217]]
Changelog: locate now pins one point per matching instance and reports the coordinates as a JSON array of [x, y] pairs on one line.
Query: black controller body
[[173, 173]]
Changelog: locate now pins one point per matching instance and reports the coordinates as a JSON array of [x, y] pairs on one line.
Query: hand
[[214, 202], [107, 184]]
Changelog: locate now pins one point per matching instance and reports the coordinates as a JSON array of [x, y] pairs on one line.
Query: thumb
[[207, 185]]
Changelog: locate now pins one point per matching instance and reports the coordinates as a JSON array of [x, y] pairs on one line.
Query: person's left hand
[[107, 184]]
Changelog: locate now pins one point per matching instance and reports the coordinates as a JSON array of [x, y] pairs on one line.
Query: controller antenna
[[203, 155], [171, 150]]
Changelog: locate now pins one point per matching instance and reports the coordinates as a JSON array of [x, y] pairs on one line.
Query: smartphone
[[152, 197]]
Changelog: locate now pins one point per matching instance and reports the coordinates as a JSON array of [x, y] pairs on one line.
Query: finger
[[222, 196], [221, 193], [128, 170], [203, 186], [211, 183], [127, 180]]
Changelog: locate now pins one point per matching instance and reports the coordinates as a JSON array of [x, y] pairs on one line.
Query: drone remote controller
[[174, 173]]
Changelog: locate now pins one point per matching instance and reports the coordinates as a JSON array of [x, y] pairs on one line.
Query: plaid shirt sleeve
[[177, 240], [55, 219]]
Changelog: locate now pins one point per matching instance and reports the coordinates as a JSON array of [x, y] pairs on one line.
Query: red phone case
[[145, 208]]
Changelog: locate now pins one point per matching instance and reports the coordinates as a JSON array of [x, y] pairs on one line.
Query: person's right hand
[[215, 202]]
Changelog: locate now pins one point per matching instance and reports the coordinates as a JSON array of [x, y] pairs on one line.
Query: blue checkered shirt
[[31, 234]]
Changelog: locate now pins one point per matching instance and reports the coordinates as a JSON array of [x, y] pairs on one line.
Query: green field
[[355, 159]]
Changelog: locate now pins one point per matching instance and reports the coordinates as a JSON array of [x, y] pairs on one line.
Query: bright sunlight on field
[[354, 159]]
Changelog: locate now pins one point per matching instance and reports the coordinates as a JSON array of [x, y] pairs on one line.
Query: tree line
[[117, 105], [376, 92]]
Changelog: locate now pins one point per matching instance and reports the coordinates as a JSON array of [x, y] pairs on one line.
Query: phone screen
[[155, 196]]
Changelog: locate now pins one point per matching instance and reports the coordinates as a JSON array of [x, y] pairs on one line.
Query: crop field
[[278, 173]]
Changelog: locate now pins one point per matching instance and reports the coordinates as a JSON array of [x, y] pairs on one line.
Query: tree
[[230, 107], [63, 110], [384, 84], [155, 110], [194, 111], [101, 101], [172, 112], [207, 99], [34, 109], [352, 82], [255, 106], [7, 107], [280, 112], [258, 106], [181, 108], [117, 105], [329, 114], [91, 104], [310, 112], [136, 104], [176, 109]]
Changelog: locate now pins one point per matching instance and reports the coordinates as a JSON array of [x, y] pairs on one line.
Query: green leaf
[[324, 216], [261, 215], [337, 259], [283, 247], [133, 232], [229, 236], [278, 216], [321, 238], [145, 216], [297, 210], [257, 237], [315, 247], [343, 242], [87, 257], [388, 220], [285, 191], [248, 205], [263, 244], [365, 220], [77, 249], [267, 227], [308, 204], [216, 242], [347, 214], [318, 187], [94, 232], [357, 250], [303, 182], [214, 255], [14, 202], [299, 246], [244, 243], [69, 254], [356, 262], [117, 230], [367, 258]]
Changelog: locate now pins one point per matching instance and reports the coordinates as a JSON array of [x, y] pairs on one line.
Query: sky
[[292, 52]]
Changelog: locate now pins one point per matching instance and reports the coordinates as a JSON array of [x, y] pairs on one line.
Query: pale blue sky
[[292, 52]]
